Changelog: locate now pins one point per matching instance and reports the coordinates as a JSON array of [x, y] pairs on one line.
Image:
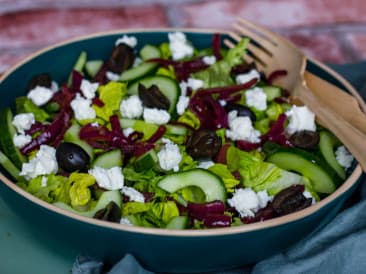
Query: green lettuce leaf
[[218, 74], [189, 118], [80, 193], [228, 178], [24, 105], [162, 212]]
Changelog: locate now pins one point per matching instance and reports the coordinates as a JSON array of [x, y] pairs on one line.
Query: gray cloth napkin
[[338, 248]]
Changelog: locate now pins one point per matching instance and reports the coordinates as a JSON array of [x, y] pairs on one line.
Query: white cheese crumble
[[307, 194], [131, 107], [133, 194], [44, 181], [301, 118], [209, 60], [125, 221], [20, 140], [182, 104], [222, 103], [54, 86], [82, 108], [42, 164], [169, 157], [111, 76], [40, 95], [205, 164], [179, 46], [128, 131], [247, 77], [88, 89], [256, 98], [110, 179], [156, 116], [241, 128], [344, 157], [128, 40], [137, 62], [192, 83], [247, 202], [23, 121]]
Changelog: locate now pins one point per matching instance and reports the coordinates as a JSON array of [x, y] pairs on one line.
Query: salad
[[170, 136]]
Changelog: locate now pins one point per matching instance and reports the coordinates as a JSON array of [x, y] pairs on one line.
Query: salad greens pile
[[169, 136]]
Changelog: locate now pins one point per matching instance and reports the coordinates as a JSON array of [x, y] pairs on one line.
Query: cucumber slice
[[78, 66], [167, 86], [176, 130], [104, 200], [9, 166], [138, 125], [72, 136], [6, 138], [322, 176], [109, 159], [178, 222], [92, 67], [146, 53], [209, 183], [272, 92], [146, 161], [327, 143]]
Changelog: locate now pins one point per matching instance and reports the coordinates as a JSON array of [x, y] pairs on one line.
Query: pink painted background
[[329, 30]]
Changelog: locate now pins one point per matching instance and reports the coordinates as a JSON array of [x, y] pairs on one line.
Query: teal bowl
[[158, 250]]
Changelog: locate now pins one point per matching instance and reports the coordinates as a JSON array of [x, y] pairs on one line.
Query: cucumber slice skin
[[109, 159], [272, 92], [6, 138], [177, 130], [79, 65], [149, 52], [9, 166], [211, 185], [72, 136], [167, 86], [178, 222], [327, 143], [146, 161], [323, 178]]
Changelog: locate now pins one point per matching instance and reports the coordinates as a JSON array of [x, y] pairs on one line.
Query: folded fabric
[[338, 248]]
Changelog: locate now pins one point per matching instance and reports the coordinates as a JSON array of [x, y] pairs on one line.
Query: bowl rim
[[350, 181]]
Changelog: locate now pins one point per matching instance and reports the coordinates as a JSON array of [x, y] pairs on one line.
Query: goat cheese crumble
[[40, 95], [82, 108], [301, 118], [88, 89], [43, 163], [133, 194], [344, 157], [169, 157], [256, 98], [130, 41], [247, 77], [179, 46], [182, 104], [23, 121], [131, 107], [111, 76], [20, 140], [241, 128], [209, 60], [156, 116], [110, 179]]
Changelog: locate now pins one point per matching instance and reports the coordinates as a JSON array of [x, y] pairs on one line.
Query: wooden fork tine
[[247, 58]]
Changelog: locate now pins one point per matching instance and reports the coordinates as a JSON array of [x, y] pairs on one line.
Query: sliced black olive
[[290, 200], [71, 157], [111, 213], [242, 110], [305, 139], [203, 143], [42, 80], [152, 97], [122, 58]]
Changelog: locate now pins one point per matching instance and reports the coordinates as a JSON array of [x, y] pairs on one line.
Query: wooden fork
[[338, 111]]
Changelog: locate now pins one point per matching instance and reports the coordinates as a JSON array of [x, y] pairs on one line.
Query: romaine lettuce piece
[[80, 193]]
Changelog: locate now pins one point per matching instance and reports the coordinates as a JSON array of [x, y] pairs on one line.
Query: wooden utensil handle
[[350, 136], [339, 101]]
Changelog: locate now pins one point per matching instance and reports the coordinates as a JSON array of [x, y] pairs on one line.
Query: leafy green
[[169, 72], [187, 162], [228, 178], [162, 212], [24, 105], [111, 95], [189, 118], [165, 50], [273, 111], [132, 208], [80, 193], [218, 74]]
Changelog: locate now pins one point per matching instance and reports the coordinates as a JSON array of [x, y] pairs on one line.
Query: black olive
[[121, 59], [241, 110], [203, 143], [71, 157], [111, 213], [290, 200], [152, 97], [305, 139], [42, 80]]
